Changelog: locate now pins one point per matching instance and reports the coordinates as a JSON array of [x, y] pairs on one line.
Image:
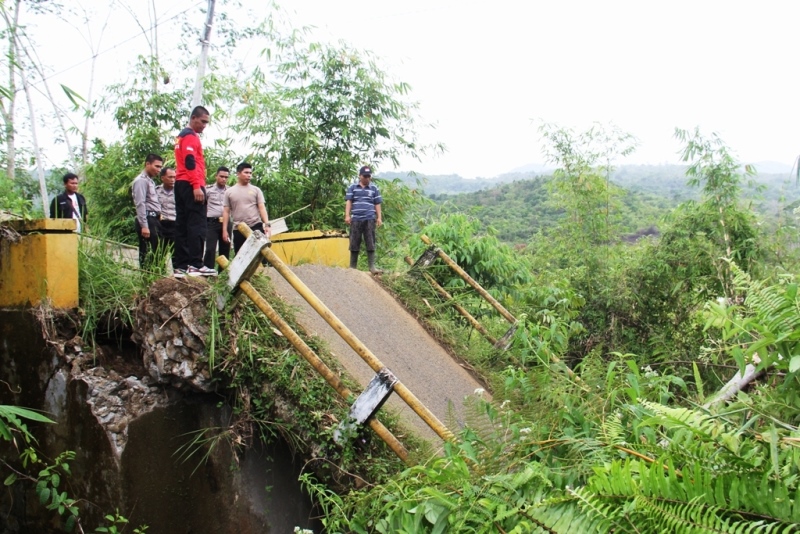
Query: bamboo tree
[[36, 150], [35, 62], [715, 170], [10, 93]]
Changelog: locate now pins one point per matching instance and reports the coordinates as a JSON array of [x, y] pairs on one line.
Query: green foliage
[[581, 185], [12, 200], [641, 467], [335, 111], [11, 420], [150, 119], [763, 330], [494, 265], [108, 192], [109, 286], [714, 168], [118, 524], [47, 488]]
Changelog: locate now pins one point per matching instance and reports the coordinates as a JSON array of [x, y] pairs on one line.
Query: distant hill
[[520, 209], [453, 184], [668, 181], [515, 204]]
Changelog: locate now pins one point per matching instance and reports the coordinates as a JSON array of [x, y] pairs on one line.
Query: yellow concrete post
[[468, 279], [402, 391], [295, 248], [42, 264], [310, 356]]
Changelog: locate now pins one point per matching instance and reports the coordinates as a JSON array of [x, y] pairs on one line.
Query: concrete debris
[[171, 332], [114, 398]]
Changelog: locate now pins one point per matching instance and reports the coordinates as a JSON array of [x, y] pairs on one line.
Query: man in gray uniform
[[166, 197], [148, 208], [215, 195]]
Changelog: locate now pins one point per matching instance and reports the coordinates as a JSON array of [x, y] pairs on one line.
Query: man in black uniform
[[70, 204]]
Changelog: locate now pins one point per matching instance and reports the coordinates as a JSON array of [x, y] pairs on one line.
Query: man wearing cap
[[362, 211]]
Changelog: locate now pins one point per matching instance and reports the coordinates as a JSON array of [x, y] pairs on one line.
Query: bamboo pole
[[339, 327], [310, 356], [460, 309], [468, 279]]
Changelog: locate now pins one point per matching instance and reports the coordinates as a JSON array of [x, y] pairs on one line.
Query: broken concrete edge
[[114, 399]]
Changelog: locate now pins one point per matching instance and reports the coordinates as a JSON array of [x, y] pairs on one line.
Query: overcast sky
[[486, 72]]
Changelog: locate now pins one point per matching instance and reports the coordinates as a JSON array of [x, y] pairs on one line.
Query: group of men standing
[[199, 222], [199, 219]]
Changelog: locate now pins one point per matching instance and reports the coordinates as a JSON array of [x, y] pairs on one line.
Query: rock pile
[[171, 331], [116, 397]]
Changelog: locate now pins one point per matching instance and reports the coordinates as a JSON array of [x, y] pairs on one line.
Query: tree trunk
[[35, 139], [36, 63], [8, 113], [197, 96]]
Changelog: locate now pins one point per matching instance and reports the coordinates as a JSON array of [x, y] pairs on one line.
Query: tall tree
[[335, 110], [580, 185]]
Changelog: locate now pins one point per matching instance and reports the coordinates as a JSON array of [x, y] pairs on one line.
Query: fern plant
[[765, 328]]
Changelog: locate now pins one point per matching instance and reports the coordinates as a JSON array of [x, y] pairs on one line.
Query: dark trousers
[[168, 238], [148, 245], [190, 227], [239, 239], [214, 238], [365, 229]]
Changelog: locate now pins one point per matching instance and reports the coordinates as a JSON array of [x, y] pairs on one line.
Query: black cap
[[366, 170]]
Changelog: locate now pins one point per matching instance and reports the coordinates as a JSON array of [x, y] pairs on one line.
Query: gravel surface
[[392, 334]]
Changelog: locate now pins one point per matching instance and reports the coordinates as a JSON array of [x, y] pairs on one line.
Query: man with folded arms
[[166, 197]]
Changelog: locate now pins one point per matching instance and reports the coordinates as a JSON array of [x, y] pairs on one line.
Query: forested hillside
[[517, 206], [520, 209]]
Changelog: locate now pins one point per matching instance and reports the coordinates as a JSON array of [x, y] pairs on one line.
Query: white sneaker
[[179, 273], [201, 271]]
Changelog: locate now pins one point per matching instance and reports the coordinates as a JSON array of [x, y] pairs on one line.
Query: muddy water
[[149, 483]]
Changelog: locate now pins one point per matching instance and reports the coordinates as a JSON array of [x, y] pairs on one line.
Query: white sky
[[484, 72]]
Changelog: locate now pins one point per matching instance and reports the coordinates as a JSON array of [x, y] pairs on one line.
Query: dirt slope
[[390, 332]]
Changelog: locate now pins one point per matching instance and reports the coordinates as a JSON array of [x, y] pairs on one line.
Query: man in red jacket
[[190, 198]]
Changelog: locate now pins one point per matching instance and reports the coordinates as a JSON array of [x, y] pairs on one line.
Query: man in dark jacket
[[70, 204]]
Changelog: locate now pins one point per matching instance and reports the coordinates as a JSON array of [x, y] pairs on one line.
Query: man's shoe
[[201, 271], [375, 270], [179, 273]]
